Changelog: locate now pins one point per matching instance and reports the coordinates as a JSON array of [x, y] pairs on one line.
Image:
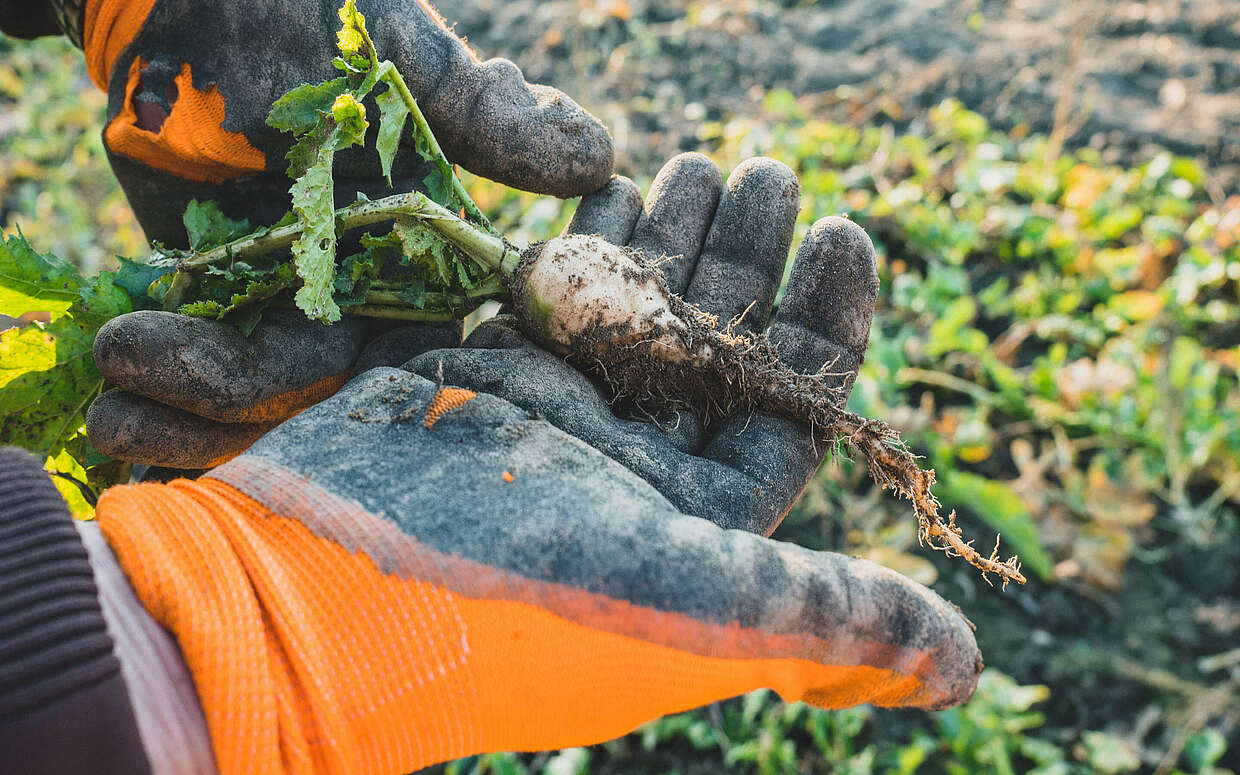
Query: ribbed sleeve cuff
[[63, 703]]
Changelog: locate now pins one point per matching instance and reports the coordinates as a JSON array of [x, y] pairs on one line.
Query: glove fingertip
[[611, 211], [531, 137], [138, 430]]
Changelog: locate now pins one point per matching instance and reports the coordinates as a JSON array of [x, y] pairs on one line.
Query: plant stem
[[400, 313], [487, 249], [431, 302], [395, 80]]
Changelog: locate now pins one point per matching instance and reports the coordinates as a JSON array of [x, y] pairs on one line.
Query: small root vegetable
[[609, 312]]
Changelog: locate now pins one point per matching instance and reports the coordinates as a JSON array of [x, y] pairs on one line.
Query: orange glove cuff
[[309, 658]]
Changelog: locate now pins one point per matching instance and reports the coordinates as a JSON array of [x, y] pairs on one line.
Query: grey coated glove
[[160, 87], [192, 393], [726, 247], [528, 497]]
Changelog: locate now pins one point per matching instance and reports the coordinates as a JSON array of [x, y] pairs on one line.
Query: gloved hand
[[724, 249], [190, 85], [409, 572]]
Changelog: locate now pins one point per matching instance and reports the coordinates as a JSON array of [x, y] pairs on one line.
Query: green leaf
[[136, 279], [31, 282], [70, 477], [392, 116], [1001, 508], [305, 151], [202, 309], [368, 83], [100, 300], [207, 227], [248, 318], [299, 110], [420, 244], [47, 372], [439, 187], [1205, 748], [314, 252], [47, 378]]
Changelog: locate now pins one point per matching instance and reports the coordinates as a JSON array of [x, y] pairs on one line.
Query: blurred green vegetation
[[1059, 337], [55, 183]]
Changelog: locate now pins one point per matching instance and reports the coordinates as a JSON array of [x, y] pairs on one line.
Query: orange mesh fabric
[[191, 144], [445, 400], [308, 658], [111, 25], [284, 405]]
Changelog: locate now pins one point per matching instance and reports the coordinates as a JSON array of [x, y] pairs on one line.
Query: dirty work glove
[[190, 85], [411, 571], [191, 393], [724, 248]]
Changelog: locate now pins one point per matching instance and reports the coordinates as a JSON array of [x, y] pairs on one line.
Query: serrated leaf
[[202, 309], [300, 109], [354, 279], [100, 300], [136, 279], [420, 244], [393, 113], [314, 252], [207, 227], [33, 282], [47, 372]]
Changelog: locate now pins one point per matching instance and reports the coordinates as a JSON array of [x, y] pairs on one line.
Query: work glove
[[190, 85], [723, 248], [474, 554]]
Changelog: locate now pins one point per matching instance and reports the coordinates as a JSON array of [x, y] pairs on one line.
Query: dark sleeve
[[64, 707]]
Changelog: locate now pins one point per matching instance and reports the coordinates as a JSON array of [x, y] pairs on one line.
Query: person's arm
[[377, 585], [64, 704]]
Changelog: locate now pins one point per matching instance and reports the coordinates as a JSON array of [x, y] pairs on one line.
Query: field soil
[[1129, 77]]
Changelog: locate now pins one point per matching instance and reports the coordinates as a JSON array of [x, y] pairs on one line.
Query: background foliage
[[1060, 336]]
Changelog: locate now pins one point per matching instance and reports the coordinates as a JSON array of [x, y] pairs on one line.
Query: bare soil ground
[[1126, 76]]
